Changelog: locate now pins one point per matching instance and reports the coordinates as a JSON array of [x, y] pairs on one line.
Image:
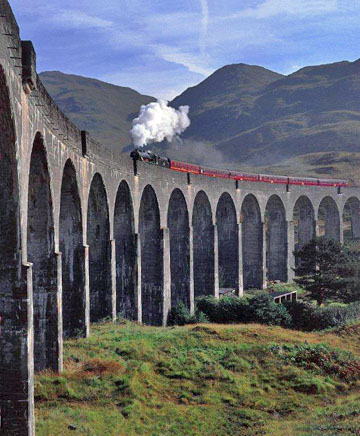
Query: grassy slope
[[207, 380], [105, 110]]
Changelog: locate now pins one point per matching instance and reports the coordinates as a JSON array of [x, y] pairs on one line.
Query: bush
[[308, 317], [264, 310], [260, 308], [180, 315]]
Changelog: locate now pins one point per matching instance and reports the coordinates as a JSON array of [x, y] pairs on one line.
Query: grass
[[208, 380]]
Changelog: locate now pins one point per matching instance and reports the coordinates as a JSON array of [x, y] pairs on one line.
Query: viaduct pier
[[83, 238]]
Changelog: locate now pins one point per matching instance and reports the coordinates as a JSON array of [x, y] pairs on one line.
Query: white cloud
[[190, 61], [271, 8], [80, 20]]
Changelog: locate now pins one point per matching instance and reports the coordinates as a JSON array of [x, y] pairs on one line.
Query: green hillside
[[203, 380], [105, 110]]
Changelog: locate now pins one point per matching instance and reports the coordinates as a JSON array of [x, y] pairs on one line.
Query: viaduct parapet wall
[[82, 238]]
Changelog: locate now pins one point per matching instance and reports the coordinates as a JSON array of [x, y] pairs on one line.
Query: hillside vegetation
[[203, 380], [105, 110]]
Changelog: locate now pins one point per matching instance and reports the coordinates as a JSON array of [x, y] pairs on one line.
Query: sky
[[161, 47]]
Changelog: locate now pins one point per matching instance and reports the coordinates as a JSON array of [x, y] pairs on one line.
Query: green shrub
[[308, 317], [180, 315], [260, 308], [264, 310]]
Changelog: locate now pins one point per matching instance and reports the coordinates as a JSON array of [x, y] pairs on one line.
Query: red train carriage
[[210, 172], [248, 177], [274, 179], [333, 182], [308, 181], [184, 167]]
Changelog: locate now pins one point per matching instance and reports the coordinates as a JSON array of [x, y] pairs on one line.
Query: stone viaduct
[[83, 238]]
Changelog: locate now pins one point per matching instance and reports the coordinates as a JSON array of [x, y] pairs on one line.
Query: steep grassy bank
[[208, 380]]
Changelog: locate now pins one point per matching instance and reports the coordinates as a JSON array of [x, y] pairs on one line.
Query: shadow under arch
[[252, 243], [98, 240], [151, 258], [203, 237], [73, 255], [179, 229], [329, 219], [228, 242], [276, 239], [41, 253], [126, 253], [351, 220], [304, 223]]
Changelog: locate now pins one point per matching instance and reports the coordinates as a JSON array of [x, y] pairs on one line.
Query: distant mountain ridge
[[305, 123]]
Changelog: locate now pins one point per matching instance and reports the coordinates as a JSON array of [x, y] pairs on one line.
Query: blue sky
[[161, 47]]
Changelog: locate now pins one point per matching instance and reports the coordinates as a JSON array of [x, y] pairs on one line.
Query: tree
[[324, 269]]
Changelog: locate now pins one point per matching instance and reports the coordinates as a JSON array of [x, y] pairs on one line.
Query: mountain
[[105, 110], [242, 116], [310, 117]]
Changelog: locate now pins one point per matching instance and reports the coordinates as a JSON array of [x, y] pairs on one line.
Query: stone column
[[290, 250], [264, 255], [87, 291], [166, 274], [113, 278], [138, 278], [341, 224], [317, 228], [191, 266], [17, 352], [59, 313], [216, 262], [240, 265]]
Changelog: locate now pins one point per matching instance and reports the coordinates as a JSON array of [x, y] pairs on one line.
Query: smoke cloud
[[158, 121]]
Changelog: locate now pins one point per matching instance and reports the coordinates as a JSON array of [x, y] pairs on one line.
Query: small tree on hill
[[324, 269]]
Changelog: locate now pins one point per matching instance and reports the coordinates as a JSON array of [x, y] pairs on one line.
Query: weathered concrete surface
[[88, 239]]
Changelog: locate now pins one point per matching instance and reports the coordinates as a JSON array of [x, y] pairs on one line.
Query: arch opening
[[276, 240], [228, 242], [304, 223], [329, 219], [178, 225], [41, 253], [151, 259], [203, 236], [351, 220], [73, 259], [98, 239], [252, 243], [126, 252]]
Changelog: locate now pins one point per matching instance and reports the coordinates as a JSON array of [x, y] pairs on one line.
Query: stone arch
[[151, 258], [252, 243], [228, 242], [276, 239], [304, 222], [178, 225], [329, 219], [203, 237], [41, 253], [351, 220], [98, 239], [72, 249], [126, 252]]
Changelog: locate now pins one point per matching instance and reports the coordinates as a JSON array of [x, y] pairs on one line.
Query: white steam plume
[[158, 121]]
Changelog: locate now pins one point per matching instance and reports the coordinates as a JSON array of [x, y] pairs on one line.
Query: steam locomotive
[[152, 158]]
